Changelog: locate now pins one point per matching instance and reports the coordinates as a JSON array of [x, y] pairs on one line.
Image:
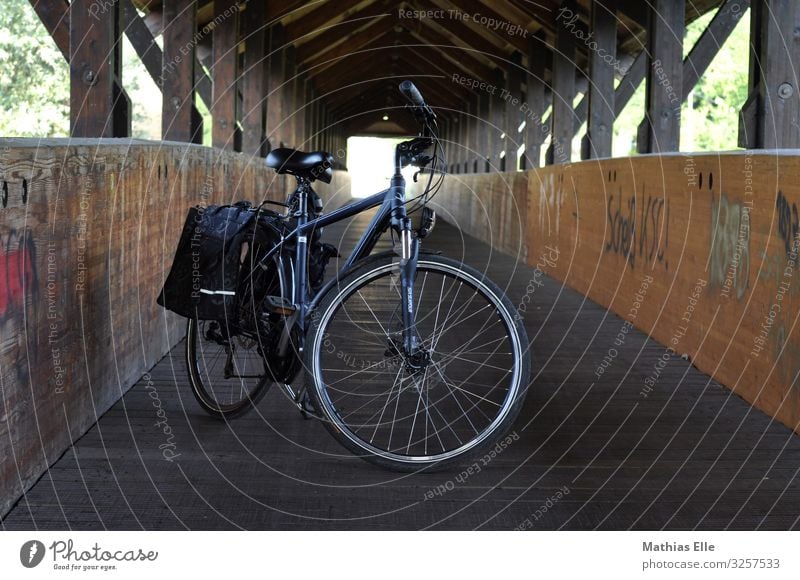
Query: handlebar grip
[[412, 94]]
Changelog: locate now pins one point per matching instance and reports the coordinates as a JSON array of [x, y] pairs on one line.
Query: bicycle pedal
[[280, 305]]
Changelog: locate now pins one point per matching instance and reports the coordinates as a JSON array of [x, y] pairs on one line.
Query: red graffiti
[[17, 272]]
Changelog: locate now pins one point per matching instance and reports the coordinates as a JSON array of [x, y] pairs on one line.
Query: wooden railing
[[88, 229], [699, 251]]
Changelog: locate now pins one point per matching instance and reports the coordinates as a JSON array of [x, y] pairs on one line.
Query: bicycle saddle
[[313, 165]]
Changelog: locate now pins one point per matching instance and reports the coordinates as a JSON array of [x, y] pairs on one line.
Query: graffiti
[[730, 246], [551, 198], [638, 232], [788, 221], [18, 274]]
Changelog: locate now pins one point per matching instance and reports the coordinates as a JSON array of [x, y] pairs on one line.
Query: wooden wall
[[698, 250], [490, 206], [88, 229]]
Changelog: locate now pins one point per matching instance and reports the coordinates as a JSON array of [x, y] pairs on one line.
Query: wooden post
[[563, 117], [600, 129], [513, 99], [472, 136], [224, 73], [253, 85], [290, 97], [99, 106], [498, 122], [771, 114], [322, 127], [458, 138], [303, 92], [533, 111], [179, 119], [466, 138], [661, 129], [484, 130], [276, 128], [312, 110]]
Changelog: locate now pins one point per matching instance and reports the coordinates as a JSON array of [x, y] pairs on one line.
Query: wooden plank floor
[[590, 455]]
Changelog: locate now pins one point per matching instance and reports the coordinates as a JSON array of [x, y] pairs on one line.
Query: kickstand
[[302, 401], [306, 408]]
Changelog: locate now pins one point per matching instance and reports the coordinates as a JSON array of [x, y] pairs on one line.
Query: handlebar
[[411, 92], [422, 111]]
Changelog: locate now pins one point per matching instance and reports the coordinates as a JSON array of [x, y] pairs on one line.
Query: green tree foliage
[[34, 77]]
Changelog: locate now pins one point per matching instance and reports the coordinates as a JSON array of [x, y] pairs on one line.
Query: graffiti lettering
[[644, 241], [730, 246], [788, 221], [17, 271], [551, 197]]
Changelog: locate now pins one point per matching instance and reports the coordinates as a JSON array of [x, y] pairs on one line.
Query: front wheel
[[456, 397]]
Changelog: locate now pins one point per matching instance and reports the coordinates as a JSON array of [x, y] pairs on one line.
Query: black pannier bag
[[205, 274]]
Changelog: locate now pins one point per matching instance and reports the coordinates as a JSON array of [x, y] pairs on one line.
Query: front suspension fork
[[409, 254]]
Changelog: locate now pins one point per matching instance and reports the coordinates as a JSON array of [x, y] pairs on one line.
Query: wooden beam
[[771, 114], [484, 132], [461, 35], [465, 156], [352, 68], [142, 41], [513, 102], [630, 82], [224, 74], [600, 128], [370, 34], [473, 137], [535, 129], [54, 14], [445, 54], [661, 129], [340, 33], [430, 56], [474, 7], [464, 61], [275, 98], [290, 107], [324, 15], [508, 12], [98, 104], [354, 92], [278, 10], [253, 83], [180, 121], [497, 119], [563, 117], [382, 91]]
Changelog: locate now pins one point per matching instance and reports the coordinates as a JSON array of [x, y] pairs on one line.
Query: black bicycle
[[411, 360]]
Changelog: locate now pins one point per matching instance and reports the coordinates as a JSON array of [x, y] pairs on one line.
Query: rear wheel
[[228, 371], [458, 396], [228, 375]]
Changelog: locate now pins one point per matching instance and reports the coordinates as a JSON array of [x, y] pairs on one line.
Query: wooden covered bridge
[[660, 290]]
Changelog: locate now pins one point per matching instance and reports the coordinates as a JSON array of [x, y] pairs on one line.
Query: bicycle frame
[[391, 212]]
